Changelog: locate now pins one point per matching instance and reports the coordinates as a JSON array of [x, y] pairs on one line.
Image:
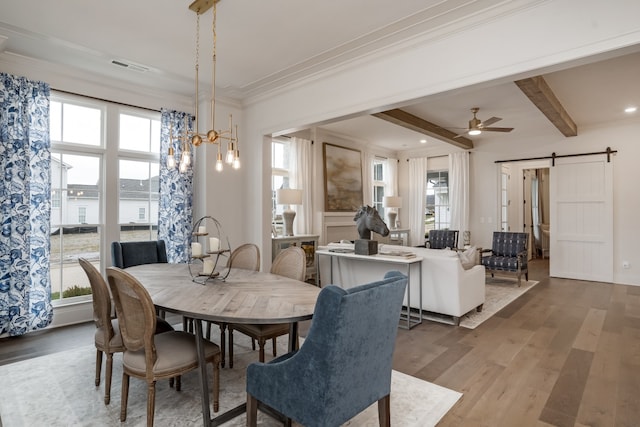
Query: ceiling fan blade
[[498, 129], [490, 121]]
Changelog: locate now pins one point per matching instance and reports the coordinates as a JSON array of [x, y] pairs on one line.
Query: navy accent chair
[[129, 254], [509, 252], [442, 239], [344, 364]]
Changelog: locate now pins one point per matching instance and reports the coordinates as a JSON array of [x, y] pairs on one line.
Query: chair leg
[[98, 366], [261, 344], [384, 411], [151, 402], [124, 397], [223, 337], [230, 348], [253, 344], [274, 347], [178, 382], [107, 379], [252, 411]]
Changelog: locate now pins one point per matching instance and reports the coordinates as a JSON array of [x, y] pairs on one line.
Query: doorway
[[536, 210]]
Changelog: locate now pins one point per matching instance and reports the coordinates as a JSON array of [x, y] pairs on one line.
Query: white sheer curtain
[[367, 179], [300, 177], [459, 191], [391, 176], [417, 199]]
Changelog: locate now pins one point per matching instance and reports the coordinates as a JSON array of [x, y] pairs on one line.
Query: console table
[[401, 234], [407, 319]]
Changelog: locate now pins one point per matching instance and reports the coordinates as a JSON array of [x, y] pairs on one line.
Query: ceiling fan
[[476, 126]]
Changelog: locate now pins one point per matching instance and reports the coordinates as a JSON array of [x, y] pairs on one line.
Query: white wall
[[541, 37]]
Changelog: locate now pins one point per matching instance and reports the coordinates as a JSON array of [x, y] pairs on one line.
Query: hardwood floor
[[566, 353]]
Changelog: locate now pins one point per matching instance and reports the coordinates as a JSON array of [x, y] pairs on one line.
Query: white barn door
[[581, 235]]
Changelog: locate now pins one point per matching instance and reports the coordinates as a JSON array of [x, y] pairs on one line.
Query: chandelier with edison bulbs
[[194, 138]]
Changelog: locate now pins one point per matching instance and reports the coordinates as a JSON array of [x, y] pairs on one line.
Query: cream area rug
[[59, 390], [499, 292]]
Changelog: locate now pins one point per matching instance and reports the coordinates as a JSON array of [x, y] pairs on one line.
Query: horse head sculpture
[[368, 220]]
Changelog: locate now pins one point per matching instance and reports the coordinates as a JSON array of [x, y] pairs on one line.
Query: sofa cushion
[[468, 258]]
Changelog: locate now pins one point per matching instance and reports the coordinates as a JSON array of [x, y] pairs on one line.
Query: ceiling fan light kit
[[476, 126]]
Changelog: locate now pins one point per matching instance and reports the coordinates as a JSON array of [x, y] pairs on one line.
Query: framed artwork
[[342, 178]]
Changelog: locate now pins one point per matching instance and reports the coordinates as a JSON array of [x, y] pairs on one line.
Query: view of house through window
[[83, 161], [437, 214]]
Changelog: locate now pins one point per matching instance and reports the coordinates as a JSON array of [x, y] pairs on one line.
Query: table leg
[[204, 386]]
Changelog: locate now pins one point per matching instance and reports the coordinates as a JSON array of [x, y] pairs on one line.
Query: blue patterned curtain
[[175, 216], [25, 205]]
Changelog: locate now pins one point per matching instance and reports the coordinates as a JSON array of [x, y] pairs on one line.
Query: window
[[378, 185], [82, 215], [437, 215], [85, 157], [280, 152]]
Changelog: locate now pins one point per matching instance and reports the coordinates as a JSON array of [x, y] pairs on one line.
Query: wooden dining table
[[245, 296]]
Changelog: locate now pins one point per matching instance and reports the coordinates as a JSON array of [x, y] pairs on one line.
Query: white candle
[[208, 266], [214, 244], [202, 229], [196, 249]]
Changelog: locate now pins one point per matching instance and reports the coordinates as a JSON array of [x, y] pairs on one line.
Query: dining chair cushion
[[168, 360], [115, 344]]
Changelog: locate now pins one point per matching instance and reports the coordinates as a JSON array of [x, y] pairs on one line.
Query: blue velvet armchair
[[344, 364], [129, 254], [509, 252]]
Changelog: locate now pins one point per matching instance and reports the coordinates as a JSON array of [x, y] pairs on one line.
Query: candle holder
[[210, 251]]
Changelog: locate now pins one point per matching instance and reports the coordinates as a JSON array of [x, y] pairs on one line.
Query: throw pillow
[[468, 258]]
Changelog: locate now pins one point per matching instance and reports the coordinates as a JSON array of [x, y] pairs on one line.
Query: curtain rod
[[554, 156], [105, 100]]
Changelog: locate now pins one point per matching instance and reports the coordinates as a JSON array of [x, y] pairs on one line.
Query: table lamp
[[288, 197], [393, 202]]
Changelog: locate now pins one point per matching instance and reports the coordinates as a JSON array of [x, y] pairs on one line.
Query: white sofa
[[447, 288]]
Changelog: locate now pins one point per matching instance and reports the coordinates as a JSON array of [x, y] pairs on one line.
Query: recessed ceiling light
[[630, 109], [423, 141]]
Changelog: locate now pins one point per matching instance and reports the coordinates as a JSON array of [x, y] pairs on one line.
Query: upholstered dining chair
[[291, 263], [509, 253], [107, 337], [148, 356], [442, 239], [345, 362], [129, 254], [247, 257]]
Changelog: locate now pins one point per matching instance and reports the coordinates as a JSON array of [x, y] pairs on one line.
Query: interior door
[[581, 233]]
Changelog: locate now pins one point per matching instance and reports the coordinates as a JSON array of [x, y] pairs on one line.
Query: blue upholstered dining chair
[[344, 364], [508, 253], [129, 254]]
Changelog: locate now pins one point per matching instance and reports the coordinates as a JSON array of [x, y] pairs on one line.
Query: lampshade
[[392, 201], [288, 196]]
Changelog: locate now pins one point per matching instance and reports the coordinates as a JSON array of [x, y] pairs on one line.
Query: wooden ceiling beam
[[539, 92], [409, 121]]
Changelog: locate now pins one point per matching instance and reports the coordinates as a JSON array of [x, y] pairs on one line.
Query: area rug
[[499, 292], [58, 390]]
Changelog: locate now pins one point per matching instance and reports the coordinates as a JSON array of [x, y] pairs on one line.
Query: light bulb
[[183, 167], [219, 162], [236, 163], [186, 157], [230, 154], [171, 159]]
